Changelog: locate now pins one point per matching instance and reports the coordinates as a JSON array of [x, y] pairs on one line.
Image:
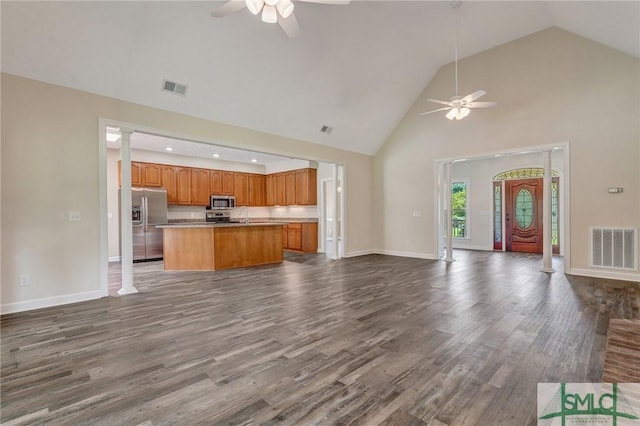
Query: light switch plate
[[74, 216]]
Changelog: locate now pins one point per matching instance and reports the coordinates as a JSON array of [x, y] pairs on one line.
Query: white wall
[[50, 153], [479, 174], [552, 87]]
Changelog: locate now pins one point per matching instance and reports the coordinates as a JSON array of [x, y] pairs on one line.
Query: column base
[[124, 291], [449, 259], [549, 270]]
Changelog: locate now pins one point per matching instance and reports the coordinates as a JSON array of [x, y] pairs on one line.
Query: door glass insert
[[524, 208]]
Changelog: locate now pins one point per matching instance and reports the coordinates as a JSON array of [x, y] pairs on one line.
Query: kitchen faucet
[[246, 219]]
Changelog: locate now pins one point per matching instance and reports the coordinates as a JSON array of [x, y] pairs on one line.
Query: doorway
[[523, 225]]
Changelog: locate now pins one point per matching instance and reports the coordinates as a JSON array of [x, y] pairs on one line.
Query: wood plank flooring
[[622, 356], [361, 341]]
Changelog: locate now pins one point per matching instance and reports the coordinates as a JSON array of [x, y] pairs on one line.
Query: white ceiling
[[356, 68], [147, 142]]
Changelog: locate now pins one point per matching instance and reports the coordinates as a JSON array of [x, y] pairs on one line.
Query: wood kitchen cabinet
[[183, 185], [271, 190], [215, 182], [169, 183], [300, 237], [200, 187], [136, 173], [150, 175], [227, 183], [306, 193], [241, 188], [257, 190], [281, 190], [290, 188]]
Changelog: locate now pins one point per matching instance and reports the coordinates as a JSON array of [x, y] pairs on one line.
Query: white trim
[[359, 253], [48, 302], [603, 274], [114, 259], [472, 247], [428, 256], [103, 244]]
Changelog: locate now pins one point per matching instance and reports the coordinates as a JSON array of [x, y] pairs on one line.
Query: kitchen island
[[201, 246]]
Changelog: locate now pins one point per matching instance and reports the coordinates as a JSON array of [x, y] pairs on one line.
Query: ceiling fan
[[280, 11], [460, 106]]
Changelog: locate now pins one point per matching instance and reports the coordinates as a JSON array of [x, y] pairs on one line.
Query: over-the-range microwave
[[222, 202]]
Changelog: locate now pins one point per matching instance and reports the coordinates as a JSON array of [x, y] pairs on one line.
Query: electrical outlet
[[24, 280], [74, 216]]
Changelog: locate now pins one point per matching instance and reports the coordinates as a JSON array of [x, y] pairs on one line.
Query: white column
[[546, 214], [448, 217], [334, 225], [126, 230]]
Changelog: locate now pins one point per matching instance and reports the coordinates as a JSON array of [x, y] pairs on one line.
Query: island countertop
[[216, 224]]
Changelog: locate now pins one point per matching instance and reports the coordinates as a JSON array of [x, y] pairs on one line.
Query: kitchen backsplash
[[190, 212]]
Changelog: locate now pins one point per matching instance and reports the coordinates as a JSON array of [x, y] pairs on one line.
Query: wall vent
[[614, 247], [173, 87]]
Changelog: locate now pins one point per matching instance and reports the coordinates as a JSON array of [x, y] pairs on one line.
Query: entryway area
[[497, 203]]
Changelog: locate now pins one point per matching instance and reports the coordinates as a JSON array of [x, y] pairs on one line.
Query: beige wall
[[552, 87], [50, 165]]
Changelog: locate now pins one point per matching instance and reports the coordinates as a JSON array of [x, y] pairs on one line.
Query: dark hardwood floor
[[367, 340]]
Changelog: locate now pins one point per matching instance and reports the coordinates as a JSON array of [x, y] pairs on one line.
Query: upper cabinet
[[169, 183], [241, 189], [200, 192], [306, 187], [192, 186], [257, 190]]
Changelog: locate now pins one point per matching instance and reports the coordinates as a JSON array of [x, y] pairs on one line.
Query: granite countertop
[[263, 220], [202, 224]]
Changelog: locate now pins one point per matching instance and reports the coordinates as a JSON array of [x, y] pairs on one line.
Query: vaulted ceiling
[[356, 68]]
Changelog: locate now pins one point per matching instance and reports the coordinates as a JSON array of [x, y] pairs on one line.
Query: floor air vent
[[614, 247]]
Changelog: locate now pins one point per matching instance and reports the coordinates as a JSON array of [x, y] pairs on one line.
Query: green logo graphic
[[593, 407]]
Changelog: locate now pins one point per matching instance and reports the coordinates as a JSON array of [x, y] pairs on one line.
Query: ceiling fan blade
[[482, 104], [290, 26], [440, 102], [336, 2], [232, 6], [435, 110], [475, 95]]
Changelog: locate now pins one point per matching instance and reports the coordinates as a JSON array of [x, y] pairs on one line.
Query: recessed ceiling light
[[168, 148], [216, 155], [498, 155], [254, 160]]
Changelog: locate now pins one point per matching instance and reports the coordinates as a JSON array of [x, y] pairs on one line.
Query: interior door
[[523, 215]]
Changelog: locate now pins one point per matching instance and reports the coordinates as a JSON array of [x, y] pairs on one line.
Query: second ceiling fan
[[280, 11], [459, 107]]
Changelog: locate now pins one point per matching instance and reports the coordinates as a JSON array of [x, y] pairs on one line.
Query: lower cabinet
[[300, 237]]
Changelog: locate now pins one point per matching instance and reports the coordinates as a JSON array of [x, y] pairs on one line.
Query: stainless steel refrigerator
[[148, 209]]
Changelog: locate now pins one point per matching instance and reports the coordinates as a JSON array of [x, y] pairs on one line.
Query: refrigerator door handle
[[145, 212]]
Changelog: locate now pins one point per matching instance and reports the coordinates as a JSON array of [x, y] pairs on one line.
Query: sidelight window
[[459, 210]]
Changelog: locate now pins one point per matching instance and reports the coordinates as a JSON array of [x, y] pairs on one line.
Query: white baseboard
[[471, 247], [428, 256], [599, 273], [114, 259], [359, 253], [48, 302]]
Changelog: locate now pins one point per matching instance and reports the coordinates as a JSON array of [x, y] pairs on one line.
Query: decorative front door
[[523, 215]]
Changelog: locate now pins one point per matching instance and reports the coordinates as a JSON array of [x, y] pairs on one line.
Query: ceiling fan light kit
[[270, 10], [269, 14], [459, 107]]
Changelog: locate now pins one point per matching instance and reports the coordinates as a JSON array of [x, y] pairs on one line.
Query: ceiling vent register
[[173, 87]]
